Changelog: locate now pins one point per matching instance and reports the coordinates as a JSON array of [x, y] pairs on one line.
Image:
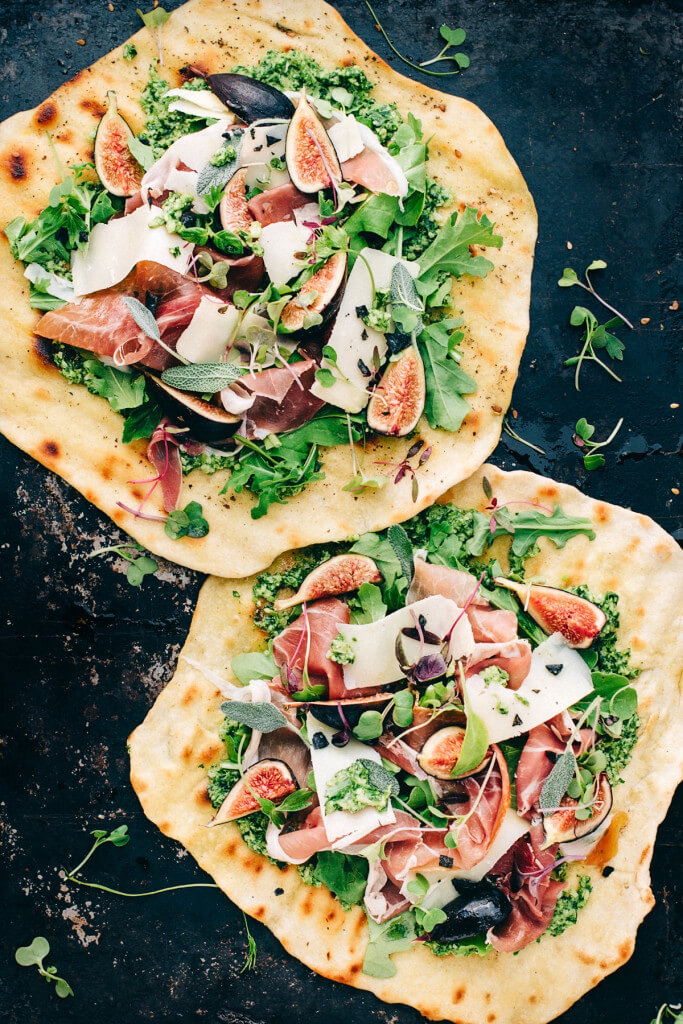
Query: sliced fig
[[311, 158], [117, 168], [563, 826], [234, 211], [557, 611], [337, 575], [249, 99], [328, 711], [206, 422], [399, 399], [441, 751], [478, 908], [269, 779], [327, 283]]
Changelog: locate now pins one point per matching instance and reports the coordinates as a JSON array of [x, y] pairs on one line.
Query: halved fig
[[206, 422], [311, 158], [269, 779], [563, 826], [117, 168], [441, 751], [337, 575], [557, 611], [327, 283], [249, 99], [234, 211], [328, 711], [399, 399], [478, 908]]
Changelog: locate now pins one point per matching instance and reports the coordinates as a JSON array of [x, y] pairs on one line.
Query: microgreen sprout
[[120, 837], [404, 467], [669, 1013], [452, 37], [155, 21], [250, 960], [140, 565], [28, 956], [570, 278], [512, 433], [596, 337], [582, 439]]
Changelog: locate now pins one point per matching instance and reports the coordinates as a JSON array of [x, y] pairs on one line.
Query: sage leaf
[[142, 316], [260, 715], [218, 175], [403, 549], [403, 290], [380, 777], [555, 786], [204, 378]]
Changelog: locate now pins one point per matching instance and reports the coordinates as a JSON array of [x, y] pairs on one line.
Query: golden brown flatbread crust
[[78, 436], [631, 555]]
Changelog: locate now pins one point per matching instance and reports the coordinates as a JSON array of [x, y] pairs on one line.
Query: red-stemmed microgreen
[[452, 36], [570, 278], [582, 439], [400, 469]]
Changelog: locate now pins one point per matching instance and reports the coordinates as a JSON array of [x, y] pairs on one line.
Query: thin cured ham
[[277, 204], [305, 643], [99, 323], [523, 874], [540, 752], [492, 625], [514, 657], [430, 579], [164, 454], [279, 399], [383, 899]]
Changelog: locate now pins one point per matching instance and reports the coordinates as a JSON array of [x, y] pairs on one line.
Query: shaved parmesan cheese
[[198, 103], [346, 138], [350, 338], [209, 332], [281, 242], [193, 151], [374, 644], [327, 761], [116, 247], [260, 145], [512, 828], [53, 284], [542, 695]]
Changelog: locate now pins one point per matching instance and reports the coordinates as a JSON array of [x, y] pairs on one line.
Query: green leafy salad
[[261, 274], [429, 735]]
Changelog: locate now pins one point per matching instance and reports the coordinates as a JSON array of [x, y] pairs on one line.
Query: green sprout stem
[[406, 60], [508, 430], [588, 287]]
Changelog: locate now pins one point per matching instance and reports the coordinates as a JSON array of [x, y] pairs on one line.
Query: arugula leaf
[[254, 665], [122, 390], [528, 525], [450, 253], [142, 421], [344, 875], [446, 383], [259, 715], [142, 152], [391, 937], [375, 216], [475, 744], [372, 607]]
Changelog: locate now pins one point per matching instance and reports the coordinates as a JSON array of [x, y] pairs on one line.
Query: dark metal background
[[585, 96]]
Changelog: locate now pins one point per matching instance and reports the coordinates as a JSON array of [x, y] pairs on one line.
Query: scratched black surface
[[585, 97]]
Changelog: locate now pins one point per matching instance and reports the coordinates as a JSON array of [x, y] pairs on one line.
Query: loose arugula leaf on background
[[260, 715], [555, 785], [254, 665], [391, 937], [186, 522], [460, 59], [28, 956]]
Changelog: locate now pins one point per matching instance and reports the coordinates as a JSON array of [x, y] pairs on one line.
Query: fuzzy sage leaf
[[555, 786], [403, 549], [204, 378], [142, 316], [220, 169], [260, 715], [380, 777]]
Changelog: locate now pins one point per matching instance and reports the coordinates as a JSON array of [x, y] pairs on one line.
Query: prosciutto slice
[[383, 900], [514, 657], [99, 323], [538, 757], [440, 579], [277, 204], [523, 873], [298, 846], [279, 398], [492, 625], [312, 633]]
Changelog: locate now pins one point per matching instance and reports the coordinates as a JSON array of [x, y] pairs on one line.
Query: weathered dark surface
[[590, 118]]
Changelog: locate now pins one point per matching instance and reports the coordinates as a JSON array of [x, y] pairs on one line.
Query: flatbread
[[77, 434], [631, 555]]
